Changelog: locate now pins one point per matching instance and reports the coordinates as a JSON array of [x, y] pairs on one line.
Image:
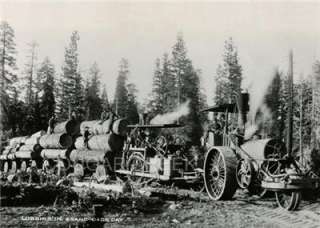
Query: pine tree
[[233, 69], [93, 103], [188, 88], [71, 95], [306, 96], [46, 77], [121, 94], [8, 78], [105, 99], [132, 108], [179, 64], [229, 75], [221, 81], [169, 87], [272, 100], [156, 103], [30, 72]]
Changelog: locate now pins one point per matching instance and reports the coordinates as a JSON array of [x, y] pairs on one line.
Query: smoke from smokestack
[[264, 117], [171, 117], [258, 91]]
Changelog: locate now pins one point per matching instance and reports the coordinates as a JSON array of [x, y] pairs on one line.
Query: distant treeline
[[30, 98]]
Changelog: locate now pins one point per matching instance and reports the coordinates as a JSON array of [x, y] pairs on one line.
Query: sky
[[264, 33]]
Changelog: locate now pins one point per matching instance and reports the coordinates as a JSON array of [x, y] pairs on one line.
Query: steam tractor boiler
[[233, 160]]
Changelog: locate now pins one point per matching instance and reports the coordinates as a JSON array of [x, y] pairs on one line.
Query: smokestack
[[290, 104], [244, 107]]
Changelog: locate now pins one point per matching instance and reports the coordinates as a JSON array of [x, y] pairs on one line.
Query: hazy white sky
[[142, 31]]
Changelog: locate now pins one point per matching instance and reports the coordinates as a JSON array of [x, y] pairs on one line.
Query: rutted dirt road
[[243, 211]]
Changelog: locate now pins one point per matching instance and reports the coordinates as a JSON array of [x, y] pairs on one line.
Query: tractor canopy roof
[[222, 108]]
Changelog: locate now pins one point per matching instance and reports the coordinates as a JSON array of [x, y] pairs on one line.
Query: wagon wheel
[[254, 187], [136, 163], [245, 173], [220, 174], [288, 200]]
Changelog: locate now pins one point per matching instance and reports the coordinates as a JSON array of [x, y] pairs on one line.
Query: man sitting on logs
[[51, 124]]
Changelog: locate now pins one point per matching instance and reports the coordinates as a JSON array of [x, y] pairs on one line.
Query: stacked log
[[102, 142], [70, 127], [54, 153], [56, 141], [57, 144], [105, 142], [24, 147], [87, 155], [14, 142], [118, 127], [31, 148]]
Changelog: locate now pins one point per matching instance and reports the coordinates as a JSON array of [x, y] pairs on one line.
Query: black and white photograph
[[160, 113]]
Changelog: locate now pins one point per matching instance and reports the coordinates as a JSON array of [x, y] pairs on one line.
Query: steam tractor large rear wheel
[[220, 173], [288, 200]]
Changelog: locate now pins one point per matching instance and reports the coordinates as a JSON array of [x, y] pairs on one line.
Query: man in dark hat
[[51, 124], [86, 137]]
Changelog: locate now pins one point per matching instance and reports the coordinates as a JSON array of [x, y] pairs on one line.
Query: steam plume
[[258, 91], [171, 117]]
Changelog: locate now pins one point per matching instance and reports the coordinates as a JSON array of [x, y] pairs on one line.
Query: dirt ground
[[242, 211]]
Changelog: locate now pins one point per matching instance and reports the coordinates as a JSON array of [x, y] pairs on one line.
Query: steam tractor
[[251, 163], [154, 152]]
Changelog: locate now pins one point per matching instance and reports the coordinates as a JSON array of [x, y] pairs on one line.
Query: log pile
[[106, 137], [70, 127], [31, 147], [23, 147], [98, 127], [57, 144], [56, 141]]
